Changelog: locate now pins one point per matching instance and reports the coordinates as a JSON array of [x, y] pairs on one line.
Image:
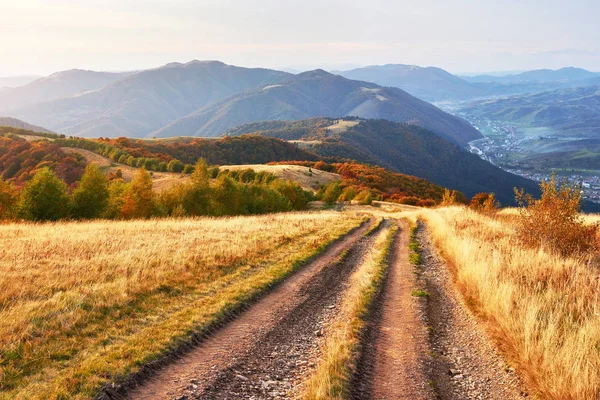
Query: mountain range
[[143, 102], [15, 123], [567, 74], [56, 86], [207, 98], [319, 93]]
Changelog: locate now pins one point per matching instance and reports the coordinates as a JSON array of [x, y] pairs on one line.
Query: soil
[[267, 351], [392, 363], [464, 364]]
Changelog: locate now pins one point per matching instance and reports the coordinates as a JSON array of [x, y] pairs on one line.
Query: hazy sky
[[43, 36]]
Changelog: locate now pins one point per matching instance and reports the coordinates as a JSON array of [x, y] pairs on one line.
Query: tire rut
[[465, 363], [279, 362], [394, 345], [251, 338]]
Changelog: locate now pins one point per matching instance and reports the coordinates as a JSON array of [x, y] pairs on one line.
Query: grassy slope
[[83, 304], [541, 308]]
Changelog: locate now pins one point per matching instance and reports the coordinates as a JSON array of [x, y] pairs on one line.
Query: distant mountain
[[148, 100], [427, 83], [403, 148], [14, 81], [573, 112], [56, 86], [541, 75], [319, 93], [16, 123]]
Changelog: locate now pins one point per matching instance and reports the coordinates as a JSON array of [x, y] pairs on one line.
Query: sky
[[43, 36]]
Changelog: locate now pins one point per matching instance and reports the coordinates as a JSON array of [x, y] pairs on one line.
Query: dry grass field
[[542, 309], [84, 303]]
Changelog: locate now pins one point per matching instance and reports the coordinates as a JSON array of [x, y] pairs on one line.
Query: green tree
[[332, 192], [44, 198], [142, 195], [175, 166], [90, 199]]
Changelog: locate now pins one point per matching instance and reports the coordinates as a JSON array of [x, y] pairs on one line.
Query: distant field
[[341, 126], [84, 303], [309, 179], [161, 180]]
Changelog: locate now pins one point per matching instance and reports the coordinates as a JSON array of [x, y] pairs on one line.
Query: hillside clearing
[[307, 178], [341, 126], [160, 180], [82, 304]]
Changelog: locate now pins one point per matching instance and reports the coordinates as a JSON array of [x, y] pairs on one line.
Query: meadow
[[542, 309], [85, 303]]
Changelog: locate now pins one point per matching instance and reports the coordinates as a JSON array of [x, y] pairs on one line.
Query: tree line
[[209, 192]]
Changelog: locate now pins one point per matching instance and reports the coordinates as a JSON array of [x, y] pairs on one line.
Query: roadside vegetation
[[208, 192], [83, 304], [532, 275], [331, 378]]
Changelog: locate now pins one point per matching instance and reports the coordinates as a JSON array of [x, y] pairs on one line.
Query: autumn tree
[[44, 198], [90, 199], [140, 200], [8, 200]]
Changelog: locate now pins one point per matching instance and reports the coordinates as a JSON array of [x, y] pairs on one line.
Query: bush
[[554, 221], [332, 192], [484, 203], [175, 166], [364, 197], [44, 198]]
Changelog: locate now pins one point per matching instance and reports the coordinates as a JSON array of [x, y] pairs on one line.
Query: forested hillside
[[407, 149]]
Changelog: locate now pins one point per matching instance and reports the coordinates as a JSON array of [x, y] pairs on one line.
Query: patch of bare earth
[[464, 364], [268, 350], [392, 362]]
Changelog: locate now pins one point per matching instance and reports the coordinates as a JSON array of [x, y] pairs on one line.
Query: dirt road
[[418, 348], [266, 351]]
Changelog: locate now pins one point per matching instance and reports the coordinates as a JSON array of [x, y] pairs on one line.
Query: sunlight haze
[[41, 37]]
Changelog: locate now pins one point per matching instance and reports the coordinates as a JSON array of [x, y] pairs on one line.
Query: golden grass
[[82, 304], [543, 310], [341, 126], [330, 380]]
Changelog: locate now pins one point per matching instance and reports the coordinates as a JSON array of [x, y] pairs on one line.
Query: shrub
[[452, 197], [44, 198], [175, 166], [332, 192], [364, 197], [347, 194], [484, 203], [553, 221]]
